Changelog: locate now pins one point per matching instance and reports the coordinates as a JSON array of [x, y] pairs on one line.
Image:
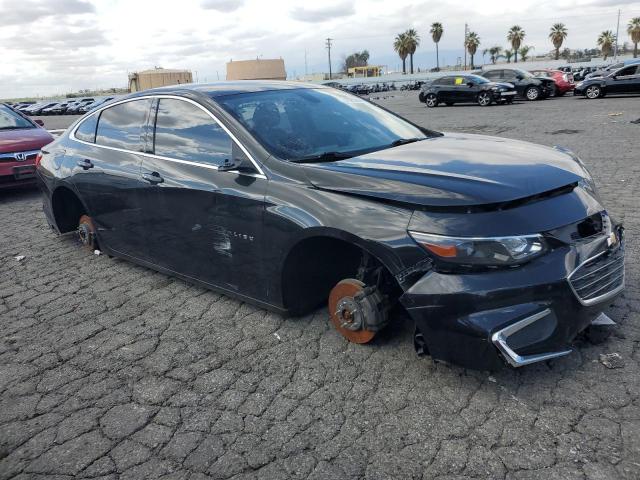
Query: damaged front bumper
[[520, 315]]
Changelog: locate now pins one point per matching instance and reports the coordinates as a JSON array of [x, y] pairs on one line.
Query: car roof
[[223, 88]]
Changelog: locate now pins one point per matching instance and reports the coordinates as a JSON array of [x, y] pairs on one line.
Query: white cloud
[[55, 46]]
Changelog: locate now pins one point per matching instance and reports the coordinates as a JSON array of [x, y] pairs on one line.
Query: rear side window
[[493, 74], [121, 125], [446, 81], [87, 129], [185, 132]]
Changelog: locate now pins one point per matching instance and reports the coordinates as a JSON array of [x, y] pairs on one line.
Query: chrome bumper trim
[[500, 337]]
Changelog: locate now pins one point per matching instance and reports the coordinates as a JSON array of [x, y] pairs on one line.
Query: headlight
[[492, 251]]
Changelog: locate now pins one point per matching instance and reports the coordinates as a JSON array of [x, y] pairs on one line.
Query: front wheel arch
[[315, 263]]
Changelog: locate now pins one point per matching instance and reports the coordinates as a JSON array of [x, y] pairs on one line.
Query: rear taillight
[[38, 159]]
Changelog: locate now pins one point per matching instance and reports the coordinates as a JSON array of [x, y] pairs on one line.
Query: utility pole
[[615, 49], [466, 33], [329, 52]]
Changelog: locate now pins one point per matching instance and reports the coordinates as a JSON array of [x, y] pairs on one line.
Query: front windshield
[[10, 120], [297, 124]]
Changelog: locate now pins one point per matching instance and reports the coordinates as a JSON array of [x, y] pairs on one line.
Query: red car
[[20, 142], [563, 80]]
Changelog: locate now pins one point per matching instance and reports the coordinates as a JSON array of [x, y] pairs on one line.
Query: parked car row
[[502, 85], [78, 106]]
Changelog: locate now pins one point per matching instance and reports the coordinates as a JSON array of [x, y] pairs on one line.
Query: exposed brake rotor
[[87, 232], [348, 313]]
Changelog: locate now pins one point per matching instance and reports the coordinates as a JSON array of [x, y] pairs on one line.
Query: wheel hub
[[349, 307]]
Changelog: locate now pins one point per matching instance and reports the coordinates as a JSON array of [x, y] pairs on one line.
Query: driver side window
[[627, 71], [184, 131]]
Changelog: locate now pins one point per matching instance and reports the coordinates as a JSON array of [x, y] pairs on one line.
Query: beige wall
[[158, 78], [267, 69]]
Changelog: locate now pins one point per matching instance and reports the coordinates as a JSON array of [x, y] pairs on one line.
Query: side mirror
[[470, 84], [519, 77], [238, 161], [39, 122]]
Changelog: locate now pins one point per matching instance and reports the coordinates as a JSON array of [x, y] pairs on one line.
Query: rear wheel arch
[[315, 263], [67, 208]]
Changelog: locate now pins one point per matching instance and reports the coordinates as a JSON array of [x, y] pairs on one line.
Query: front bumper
[[521, 315]]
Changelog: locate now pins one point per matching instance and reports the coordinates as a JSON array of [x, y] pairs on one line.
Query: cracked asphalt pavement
[[109, 370]]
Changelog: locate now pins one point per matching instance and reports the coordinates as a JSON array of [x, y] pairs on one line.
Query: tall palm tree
[[557, 35], [436, 35], [508, 54], [401, 46], [605, 42], [472, 42], [516, 36], [494, 53], [524, 52], [414, 41], [633, 29]]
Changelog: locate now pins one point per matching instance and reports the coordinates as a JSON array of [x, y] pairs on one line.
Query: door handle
[[85, 163], [153, 177]]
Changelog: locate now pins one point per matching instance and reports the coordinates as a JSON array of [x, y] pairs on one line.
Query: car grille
[[599, 278], [28, 156]]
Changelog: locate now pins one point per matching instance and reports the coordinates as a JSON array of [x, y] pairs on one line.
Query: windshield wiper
[[324, 157], [404, 141]]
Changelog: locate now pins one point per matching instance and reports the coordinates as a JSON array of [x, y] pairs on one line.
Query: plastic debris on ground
[[277, 336], [19, 258], [612, 360], [97, 252]]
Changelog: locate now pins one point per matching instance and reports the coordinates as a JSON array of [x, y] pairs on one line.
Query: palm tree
[[401, 46], [605, 42], [633, 29], [557, 35], [516, 36], [494, 53], [414, 41], [524, 52], [472, 42], [508, 54], [436, 35]]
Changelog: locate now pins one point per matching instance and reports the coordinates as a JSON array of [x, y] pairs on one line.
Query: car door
[[446, 89], [202, 222], [624, 80], [107, 172]]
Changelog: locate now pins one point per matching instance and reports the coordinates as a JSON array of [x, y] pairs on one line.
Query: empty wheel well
[[315, 265], [67, 209]]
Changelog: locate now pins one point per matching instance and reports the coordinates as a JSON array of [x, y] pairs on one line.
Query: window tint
[[627, 71], [120, 126], [185, 132], [446, 81], [87, 129]]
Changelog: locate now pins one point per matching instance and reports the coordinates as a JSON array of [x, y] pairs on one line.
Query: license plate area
[[24, 171]]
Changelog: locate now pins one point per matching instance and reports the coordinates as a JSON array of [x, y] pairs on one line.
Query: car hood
[[451, 170], [23, 139]]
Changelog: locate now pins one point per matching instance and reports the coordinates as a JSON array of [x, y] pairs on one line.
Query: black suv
[[527, 85], [465, 88], [293, 196]]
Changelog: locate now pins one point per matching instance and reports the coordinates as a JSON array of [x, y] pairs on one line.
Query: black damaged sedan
[[290, 196], [454, 89]]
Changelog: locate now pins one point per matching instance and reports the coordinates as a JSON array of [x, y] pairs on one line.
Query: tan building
[[158, 77], [259, 69]]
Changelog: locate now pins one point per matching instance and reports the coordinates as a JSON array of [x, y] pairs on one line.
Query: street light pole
[[466, 33], [329, 53], [615, 49]]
